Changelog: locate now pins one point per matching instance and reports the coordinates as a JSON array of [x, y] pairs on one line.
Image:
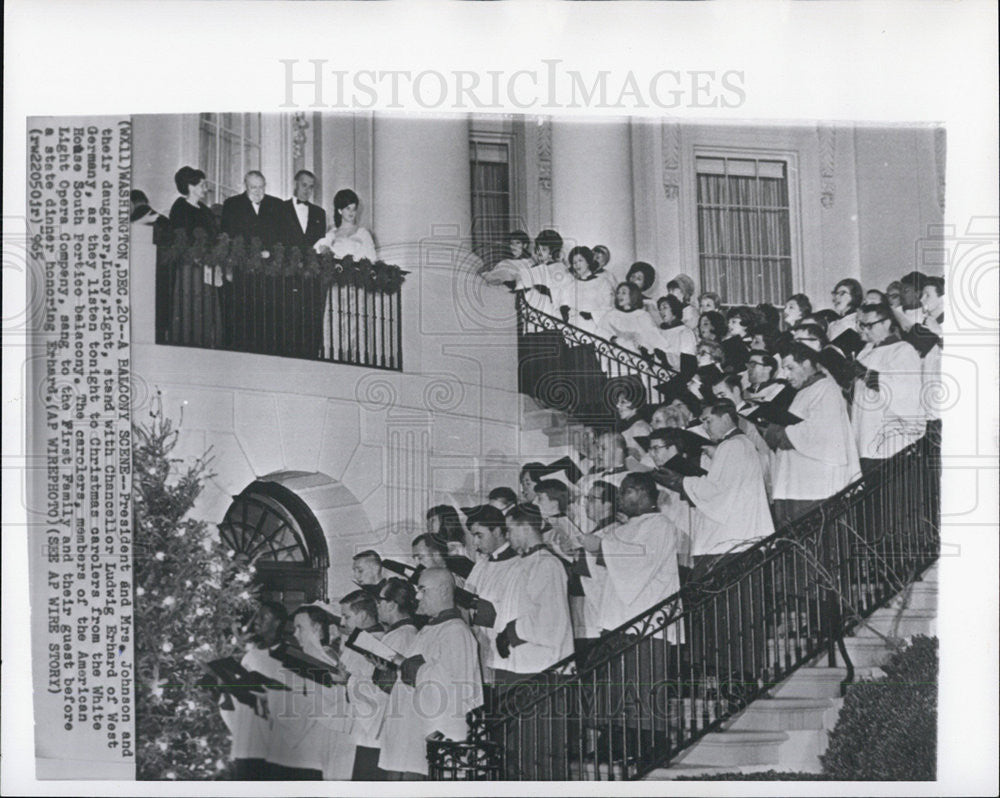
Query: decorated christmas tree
[[191, 595]]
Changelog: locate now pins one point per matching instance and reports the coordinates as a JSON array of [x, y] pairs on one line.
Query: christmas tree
[[191, 595]]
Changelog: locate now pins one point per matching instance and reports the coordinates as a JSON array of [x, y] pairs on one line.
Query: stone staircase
[[788, 730]]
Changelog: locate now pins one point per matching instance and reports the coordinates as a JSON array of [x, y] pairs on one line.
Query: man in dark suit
[[300, 298], [253, 214]]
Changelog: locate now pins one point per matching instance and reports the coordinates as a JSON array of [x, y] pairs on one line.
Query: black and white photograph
[[519, 423]]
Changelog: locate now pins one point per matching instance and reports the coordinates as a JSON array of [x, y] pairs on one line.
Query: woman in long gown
[[352, 324], [589, 295], [196, 318]]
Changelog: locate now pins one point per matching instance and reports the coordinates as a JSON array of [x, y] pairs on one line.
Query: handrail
[[742, 629], [567, 383]]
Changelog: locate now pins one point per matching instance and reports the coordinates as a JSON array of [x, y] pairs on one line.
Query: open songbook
[[684, 466], [401, 568], [231, 678], [308, 667], [772, 414], [483, 612], [367, 644]]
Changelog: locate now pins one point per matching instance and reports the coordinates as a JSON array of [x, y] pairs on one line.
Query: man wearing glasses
[[887, 415]]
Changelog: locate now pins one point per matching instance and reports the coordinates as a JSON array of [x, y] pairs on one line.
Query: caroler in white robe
[[443, 669], [395, 744], [593, 588], [632, 329], [489, 579], [251, 728], [678, 340], [536, 609], [731, 502], [554, 276], [366, 699], [889, 419], [594, 295], [641, 559], [825, 457], [310, 724]]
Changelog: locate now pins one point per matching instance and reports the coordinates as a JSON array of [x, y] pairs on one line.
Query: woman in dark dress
[[196, 318]]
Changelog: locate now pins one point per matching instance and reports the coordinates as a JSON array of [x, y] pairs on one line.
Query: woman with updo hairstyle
[[398, 747], [583, 301], [195, 317], [796, 308], [712, 326], [629, 325], [343, 325]]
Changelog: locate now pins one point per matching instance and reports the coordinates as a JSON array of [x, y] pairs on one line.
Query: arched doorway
[[270, 526]]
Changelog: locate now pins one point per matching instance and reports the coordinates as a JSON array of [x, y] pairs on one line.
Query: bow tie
[[300, 202]]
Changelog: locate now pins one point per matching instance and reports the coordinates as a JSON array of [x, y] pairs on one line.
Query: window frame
[[219, 192], [510, 141]]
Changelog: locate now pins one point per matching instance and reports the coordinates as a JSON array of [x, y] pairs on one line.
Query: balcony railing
[[287, 302], [657, 684], [568, 369]]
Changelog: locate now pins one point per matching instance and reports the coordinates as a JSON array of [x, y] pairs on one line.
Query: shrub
[[887, 729]]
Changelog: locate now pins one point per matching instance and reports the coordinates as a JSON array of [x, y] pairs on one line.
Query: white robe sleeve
[[819, 436], [543, 610]]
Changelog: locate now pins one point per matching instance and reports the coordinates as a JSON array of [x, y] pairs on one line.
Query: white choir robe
[[537, 604], [593, 591], [681, 514], [842, 325], [641, 559], [394, 744], [764, 453], [731, 502], [931, 388], [632, 328], [595, 295], [310, 724], [889, 419], [446, 687], [825, 457], [250, 730], [367, 700], [530, 274], [678, 340], [488, 580]]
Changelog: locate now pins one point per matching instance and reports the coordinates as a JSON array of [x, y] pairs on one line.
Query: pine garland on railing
[[233, 257]]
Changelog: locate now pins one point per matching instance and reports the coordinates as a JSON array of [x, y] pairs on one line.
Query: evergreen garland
[[191, 594]]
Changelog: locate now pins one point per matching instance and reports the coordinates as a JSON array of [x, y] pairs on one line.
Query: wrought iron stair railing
[[679, 670], [569, 369]]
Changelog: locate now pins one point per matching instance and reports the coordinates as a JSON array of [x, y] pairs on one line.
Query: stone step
[[867, 651], [811, 682], [898, 623], [802, 750], [782, 714], [734, 748], [687, 771], [918, 596]]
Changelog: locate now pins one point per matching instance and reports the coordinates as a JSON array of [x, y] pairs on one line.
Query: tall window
[[492, 205], [744, 239], [271, 527], [229, 148]]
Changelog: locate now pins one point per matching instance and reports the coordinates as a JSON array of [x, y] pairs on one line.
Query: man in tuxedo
[[252, 214], [299, 311]]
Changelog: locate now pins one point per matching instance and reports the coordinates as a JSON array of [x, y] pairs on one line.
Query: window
[[229, 147], [492, 206], [744, 237], [271, 527]]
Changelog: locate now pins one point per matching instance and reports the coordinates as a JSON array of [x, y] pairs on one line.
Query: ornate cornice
[[544, 154], [300, 124]]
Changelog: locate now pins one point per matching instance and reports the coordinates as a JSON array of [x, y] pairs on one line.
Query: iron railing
[[287, 302], [660, 682], [568, 369]]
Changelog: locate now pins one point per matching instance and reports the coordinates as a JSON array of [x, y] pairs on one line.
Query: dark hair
[[631, 388], [804, 303], [520, 235], [825, 318], [302, 172], [604, 249], [587, 254], [678, 438], [746, 316], [725, 407], [767, 358], [814, 330], [769, 332], [401, 593], [882, 298], [801, 353], [634, 295], [768, 314], [316, 615], [138, 197], [432, 542], [937, 283], [857, 293], [645, 269], [672, 284], [883, 312], [522, 515], [915, 279], [556, 491], [531, 469], [367, 554], [607, 491], [732, 381], [716, 321], [276, 608], [342, 199], [450, 529], [551, 240], [361, 601], [187, 176], [676, 306], [505, 493], [642, 481]]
